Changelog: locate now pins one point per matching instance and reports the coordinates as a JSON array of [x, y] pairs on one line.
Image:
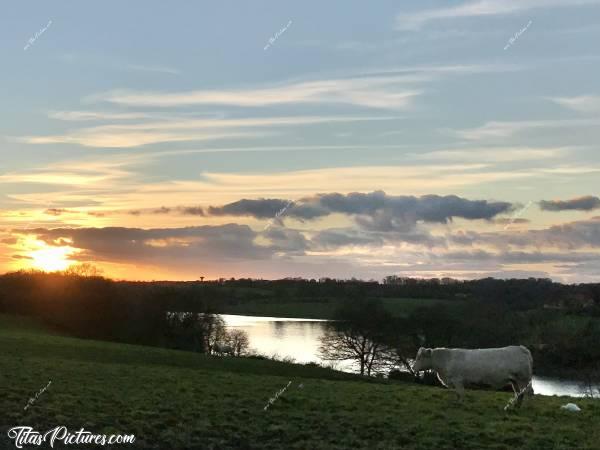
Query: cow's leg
[[529, 389], [515, 399], [523, 387], [459, 389]]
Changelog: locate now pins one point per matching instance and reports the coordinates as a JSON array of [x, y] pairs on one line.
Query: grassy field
[[400, 307], [178, 400]]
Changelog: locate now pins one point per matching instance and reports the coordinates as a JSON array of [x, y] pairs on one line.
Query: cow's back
[[493, 366]]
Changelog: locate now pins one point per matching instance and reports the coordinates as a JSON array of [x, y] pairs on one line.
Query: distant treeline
[[90, 307], [560, 323], [518, 293], [525, 293]]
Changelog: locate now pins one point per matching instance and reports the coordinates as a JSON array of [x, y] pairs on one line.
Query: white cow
[[494, 367]]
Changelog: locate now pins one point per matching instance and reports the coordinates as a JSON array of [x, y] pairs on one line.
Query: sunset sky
[[161, 140]]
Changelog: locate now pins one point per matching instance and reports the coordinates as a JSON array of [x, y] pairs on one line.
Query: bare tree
[[83, 270], [358, 335], [213, 331], [591, 382], [239, 342], [344, 343], [195, 331]]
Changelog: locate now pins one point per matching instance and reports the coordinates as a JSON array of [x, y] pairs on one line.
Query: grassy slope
[[173, 400]]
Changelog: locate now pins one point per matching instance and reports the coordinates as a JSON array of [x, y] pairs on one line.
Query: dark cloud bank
[[586, 203]]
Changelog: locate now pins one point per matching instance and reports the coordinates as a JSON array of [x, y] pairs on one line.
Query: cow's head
[[423, 360]]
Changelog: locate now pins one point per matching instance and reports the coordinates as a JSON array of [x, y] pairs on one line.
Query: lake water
[[300, 338]]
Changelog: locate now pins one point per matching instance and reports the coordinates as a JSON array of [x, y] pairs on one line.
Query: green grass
[[179, 400], [400, 307]]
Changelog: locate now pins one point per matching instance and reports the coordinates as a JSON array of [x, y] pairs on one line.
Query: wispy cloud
[[290, 184], [94, 115], [80, 174], [134, 135], [95, 138], [496, 154], [115, 184], [430, 72], [572, 235], [386, 88], [499, 129], [379, 92], [581, 103], [415, 20]]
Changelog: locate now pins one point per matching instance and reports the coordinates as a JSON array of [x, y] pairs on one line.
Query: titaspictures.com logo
[[28, 436]]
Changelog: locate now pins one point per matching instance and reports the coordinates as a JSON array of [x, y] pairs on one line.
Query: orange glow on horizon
[[49, 258]]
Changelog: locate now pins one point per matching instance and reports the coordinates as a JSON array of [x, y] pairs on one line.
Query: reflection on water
[[300, 339], [295, 338], [279, 330], [550, 386]]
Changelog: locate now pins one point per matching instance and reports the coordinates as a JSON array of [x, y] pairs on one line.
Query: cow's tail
[[529, 388]]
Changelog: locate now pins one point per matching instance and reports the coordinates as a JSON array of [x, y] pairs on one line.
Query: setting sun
[[51, 259]]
